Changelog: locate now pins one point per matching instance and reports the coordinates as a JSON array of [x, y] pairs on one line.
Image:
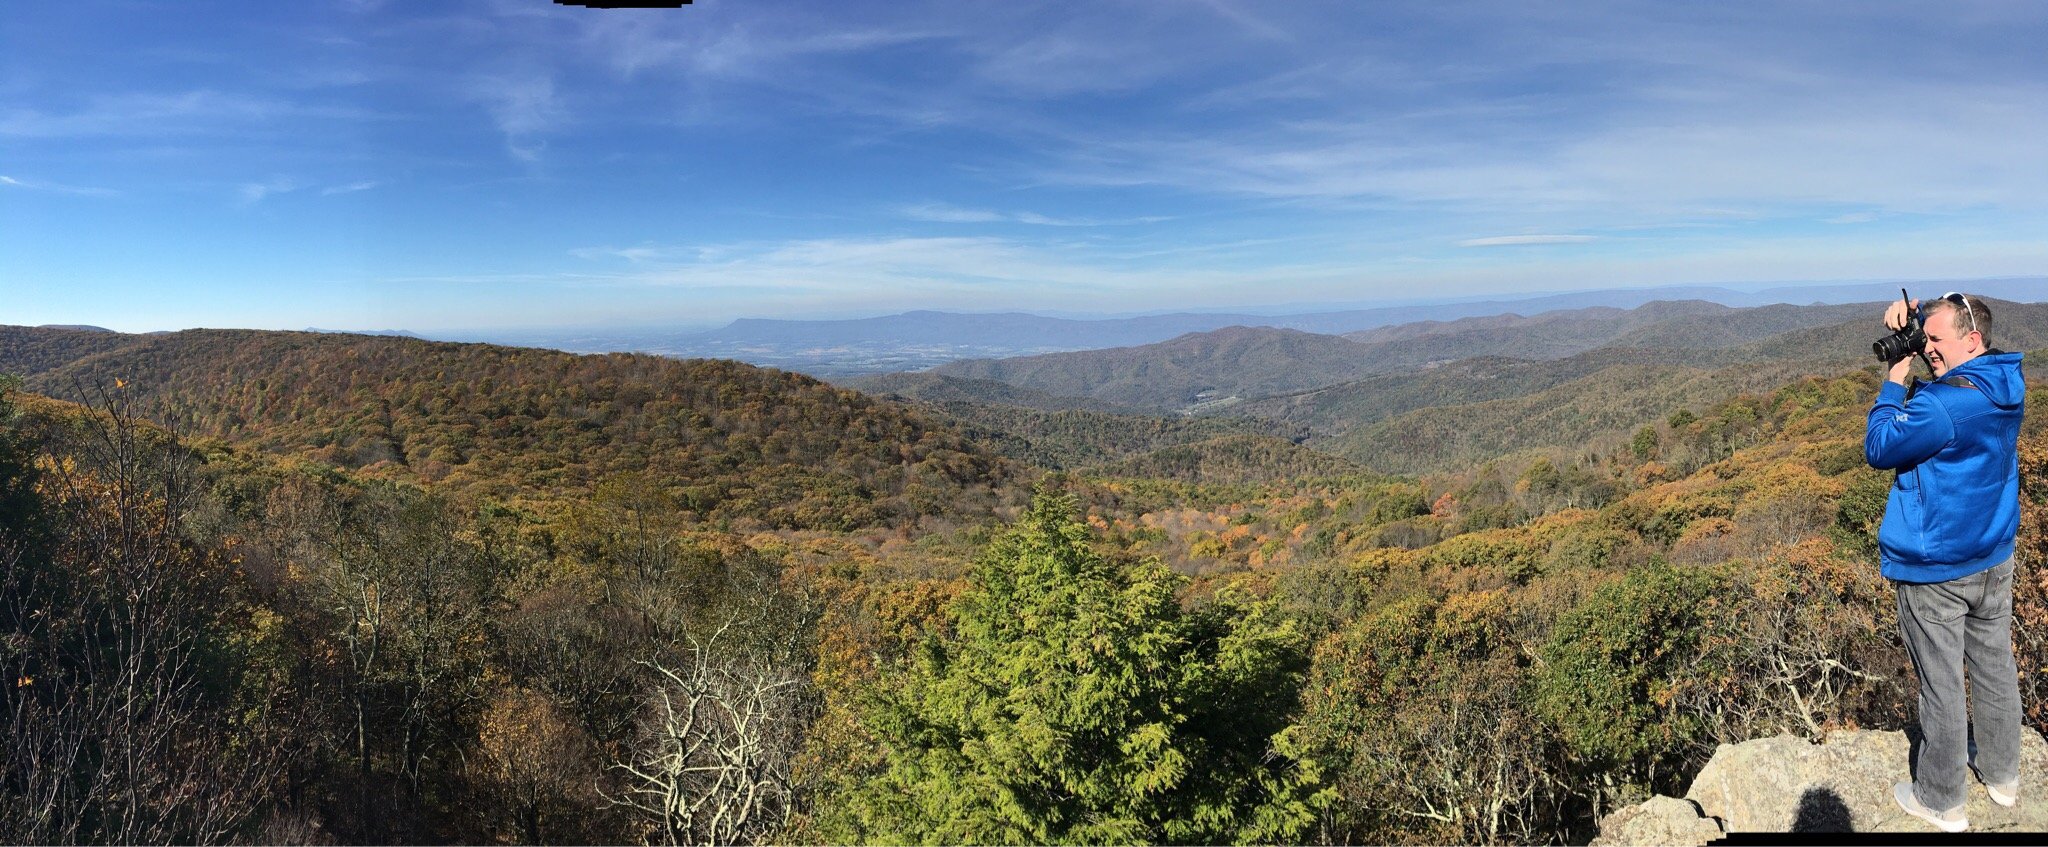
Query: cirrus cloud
[[1515, 240]]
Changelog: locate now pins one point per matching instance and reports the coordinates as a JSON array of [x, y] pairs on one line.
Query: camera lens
[[1898, 345]]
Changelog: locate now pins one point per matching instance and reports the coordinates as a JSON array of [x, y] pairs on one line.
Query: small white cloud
[[527, 152], [1853, 218], [350, 188], [254, 192], [1510, 240]]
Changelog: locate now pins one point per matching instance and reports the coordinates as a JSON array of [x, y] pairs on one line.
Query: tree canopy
[[1067, 698]]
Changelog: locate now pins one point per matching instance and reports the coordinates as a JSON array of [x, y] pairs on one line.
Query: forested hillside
[[1333, 411], [1065, 433], [932, 387], [1231, 459], [1174, 374], [1592, 411], [220, 646], [1073, 439], [31, 350], [733, 443]]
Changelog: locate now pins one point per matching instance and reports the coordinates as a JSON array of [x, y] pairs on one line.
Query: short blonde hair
[[1970, 314]]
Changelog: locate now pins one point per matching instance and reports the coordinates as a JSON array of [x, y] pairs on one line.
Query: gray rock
[[1844, 784], [1659, 820]]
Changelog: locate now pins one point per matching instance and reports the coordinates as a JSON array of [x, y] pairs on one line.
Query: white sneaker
[[2006, 794], [1949, 821]]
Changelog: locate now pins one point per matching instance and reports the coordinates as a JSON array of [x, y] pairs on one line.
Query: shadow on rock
[[1822, 810]]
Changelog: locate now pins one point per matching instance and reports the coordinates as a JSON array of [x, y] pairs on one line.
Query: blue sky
[[512, 163]]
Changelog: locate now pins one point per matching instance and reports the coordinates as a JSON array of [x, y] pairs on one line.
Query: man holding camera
[[1947, 544]]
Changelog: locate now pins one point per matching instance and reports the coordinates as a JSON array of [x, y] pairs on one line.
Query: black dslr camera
[[1908, 340]]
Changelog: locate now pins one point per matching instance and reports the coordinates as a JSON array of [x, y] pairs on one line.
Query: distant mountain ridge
[[919, 340], [1525, 323], [1430, 396], [1208, 371], [1017, 329], [1021, 329], [923, 339], [1477, 408], [398, 333]]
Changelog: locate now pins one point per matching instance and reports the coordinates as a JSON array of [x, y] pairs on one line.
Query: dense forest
[[757, 447], [298, 588]]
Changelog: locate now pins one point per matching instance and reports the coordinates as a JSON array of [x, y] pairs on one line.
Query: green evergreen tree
[[1618, 669], [1073, 701]]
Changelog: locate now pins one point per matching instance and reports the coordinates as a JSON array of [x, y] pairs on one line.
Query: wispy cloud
[[942, 213], [188, 112], [255, 192], [1246, 20], [947, 213], [54, 187], [1684, 116], [349, 188], [739, 48], [524, 105], [636, 255], [1512, 240], [908, 266], [929, 272]]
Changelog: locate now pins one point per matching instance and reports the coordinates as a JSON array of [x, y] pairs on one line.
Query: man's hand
[[1895, 315], [1902, 371]]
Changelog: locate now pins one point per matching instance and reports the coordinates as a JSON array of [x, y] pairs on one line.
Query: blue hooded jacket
[[1954, 507]]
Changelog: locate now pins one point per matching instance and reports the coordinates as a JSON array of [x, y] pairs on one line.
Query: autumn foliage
[[383, 591]]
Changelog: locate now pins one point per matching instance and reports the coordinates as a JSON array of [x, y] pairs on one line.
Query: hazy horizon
[[1878, 289]]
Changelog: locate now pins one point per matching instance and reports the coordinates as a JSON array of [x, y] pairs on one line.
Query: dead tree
[[713, 762]]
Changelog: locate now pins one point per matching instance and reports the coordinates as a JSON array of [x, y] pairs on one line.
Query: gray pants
[[1945, 625]]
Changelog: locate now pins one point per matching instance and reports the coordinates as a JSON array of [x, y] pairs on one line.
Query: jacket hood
[[1997, 374]]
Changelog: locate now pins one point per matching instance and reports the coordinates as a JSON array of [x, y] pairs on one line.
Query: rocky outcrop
[[1659, 820], [1789, 784]]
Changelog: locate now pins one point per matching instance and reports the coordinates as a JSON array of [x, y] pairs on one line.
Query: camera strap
[[1913, 383]]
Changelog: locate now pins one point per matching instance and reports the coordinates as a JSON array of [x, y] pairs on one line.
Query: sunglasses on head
[[1963, 300]]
